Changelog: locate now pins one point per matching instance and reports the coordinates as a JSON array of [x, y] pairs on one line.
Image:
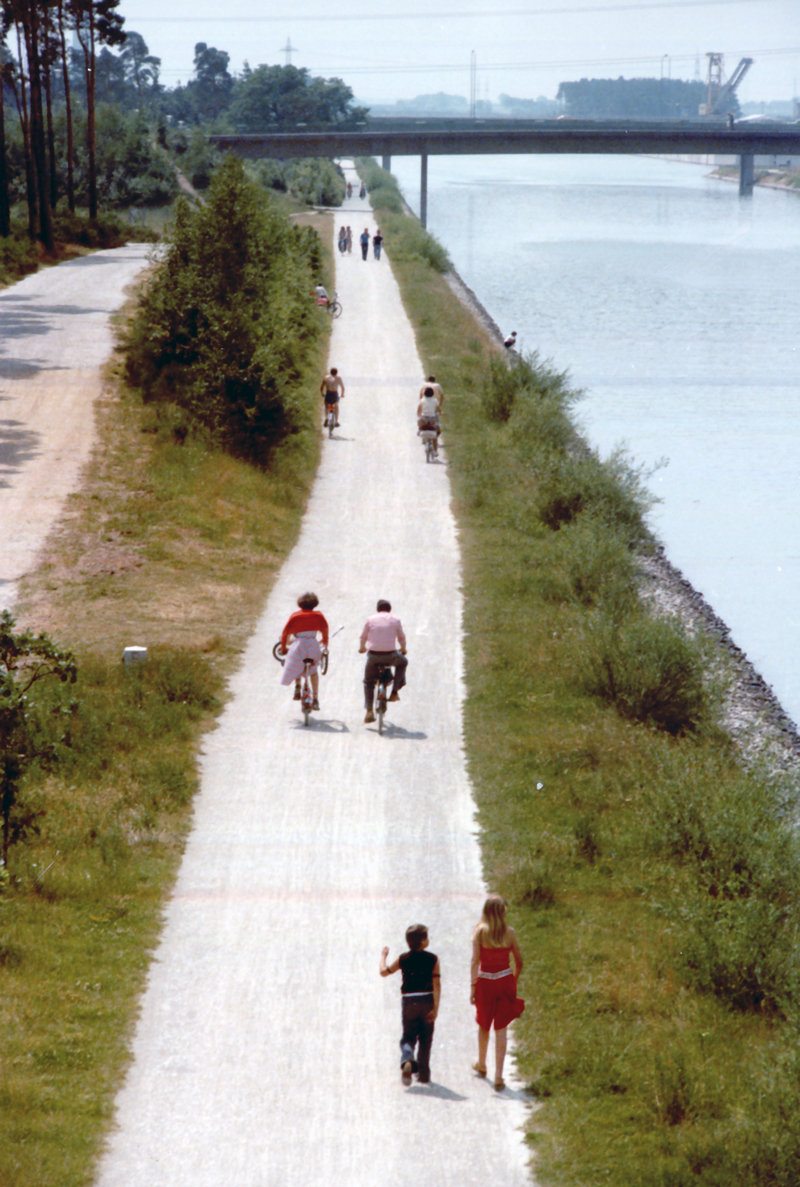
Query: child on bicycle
[[429, 411], [420, 992], [303, 626]]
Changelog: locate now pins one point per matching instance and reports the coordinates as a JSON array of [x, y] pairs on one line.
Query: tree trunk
[[5, 208], [68, 107], [30, 172], [51, 138], [91, 136], [38, 142]]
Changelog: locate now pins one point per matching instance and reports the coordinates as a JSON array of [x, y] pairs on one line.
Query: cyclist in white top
[[429, 411]]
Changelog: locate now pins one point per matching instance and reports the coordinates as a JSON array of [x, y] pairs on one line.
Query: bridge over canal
[[471, 138]]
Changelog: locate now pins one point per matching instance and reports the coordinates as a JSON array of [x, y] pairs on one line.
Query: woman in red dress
[[494, 986]]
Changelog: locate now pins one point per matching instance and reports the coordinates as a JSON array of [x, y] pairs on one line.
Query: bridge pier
[[746, 175], [386, 162], [423, 189]]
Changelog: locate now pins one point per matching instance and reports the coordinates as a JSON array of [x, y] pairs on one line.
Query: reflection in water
[[675, 305]]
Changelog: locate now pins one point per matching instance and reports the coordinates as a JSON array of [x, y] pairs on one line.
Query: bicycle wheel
[[331, 424], [336, 309]]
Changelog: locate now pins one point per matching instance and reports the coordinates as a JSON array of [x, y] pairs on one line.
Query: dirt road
[[267, 1048], [55, 335]]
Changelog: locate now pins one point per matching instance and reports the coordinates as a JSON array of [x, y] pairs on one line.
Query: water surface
[[675, 305]]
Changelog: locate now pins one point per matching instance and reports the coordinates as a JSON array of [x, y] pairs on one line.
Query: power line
[[573, 63], [565, 64], [361, 18]]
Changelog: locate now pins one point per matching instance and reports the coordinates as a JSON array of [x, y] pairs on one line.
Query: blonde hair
[[493, 926]]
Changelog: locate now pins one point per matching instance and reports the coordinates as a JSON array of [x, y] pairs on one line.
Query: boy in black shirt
[[420, 996]]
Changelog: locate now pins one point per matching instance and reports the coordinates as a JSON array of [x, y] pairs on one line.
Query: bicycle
[[335, 306], [384, 677], [306, 691], [428, 436]]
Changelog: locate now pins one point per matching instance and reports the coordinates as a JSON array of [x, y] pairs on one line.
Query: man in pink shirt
[[385, 642]]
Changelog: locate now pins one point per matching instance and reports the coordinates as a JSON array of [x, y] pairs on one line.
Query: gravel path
[[267, 1047], [56, 335]]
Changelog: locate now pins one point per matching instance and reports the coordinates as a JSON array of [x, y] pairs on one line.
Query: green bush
[[650, 670], [131, 170], [404, 238], [315, 181], [226, 326], [597, 567], [736, 918]]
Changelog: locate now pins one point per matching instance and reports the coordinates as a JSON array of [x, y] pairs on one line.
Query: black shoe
[[316, 704], [406, 1071]]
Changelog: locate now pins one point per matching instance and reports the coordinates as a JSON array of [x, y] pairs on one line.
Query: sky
[[395, 50]]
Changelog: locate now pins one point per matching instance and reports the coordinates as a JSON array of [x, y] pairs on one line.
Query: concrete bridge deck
[[567, 136]]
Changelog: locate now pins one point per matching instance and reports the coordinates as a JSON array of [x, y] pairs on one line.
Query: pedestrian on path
[[494, 986], [342, 240], [420, 992], [349, 240], [364, 240], [303, 626], [362, 193], [377, 240]]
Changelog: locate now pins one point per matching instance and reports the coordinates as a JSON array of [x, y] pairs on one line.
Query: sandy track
[[56, 335], [267, 1047]]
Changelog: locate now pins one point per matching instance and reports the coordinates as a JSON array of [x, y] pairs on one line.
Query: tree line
[[69, 70], [635, 98], [39, 32]]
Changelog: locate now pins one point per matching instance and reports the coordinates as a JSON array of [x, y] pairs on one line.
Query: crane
[[720, 92]]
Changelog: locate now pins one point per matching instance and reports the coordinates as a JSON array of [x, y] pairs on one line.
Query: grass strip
[[173, 544], [653, 880]]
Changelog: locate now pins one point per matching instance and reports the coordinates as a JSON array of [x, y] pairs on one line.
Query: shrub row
[[226, 327]]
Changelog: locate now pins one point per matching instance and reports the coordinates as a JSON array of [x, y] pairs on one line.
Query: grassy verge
[[653, 880], [173, 545]]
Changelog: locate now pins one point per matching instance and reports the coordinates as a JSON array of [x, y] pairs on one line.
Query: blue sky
[[386, 51]]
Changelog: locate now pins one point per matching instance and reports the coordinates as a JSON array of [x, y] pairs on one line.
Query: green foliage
[[279, 98], [650, 669], [224, 330], [405, 238], [736, 917], [637, 98], [33, 726], [108, 230], [131, 171], [18, 256], [315, 181], [594, 564]]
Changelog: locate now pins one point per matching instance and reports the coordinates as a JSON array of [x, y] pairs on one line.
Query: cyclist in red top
[[303, 626]]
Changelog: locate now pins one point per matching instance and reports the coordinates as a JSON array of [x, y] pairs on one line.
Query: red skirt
[[496, 1002]]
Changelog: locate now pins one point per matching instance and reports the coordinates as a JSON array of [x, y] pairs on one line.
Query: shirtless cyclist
[[332, 391]]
